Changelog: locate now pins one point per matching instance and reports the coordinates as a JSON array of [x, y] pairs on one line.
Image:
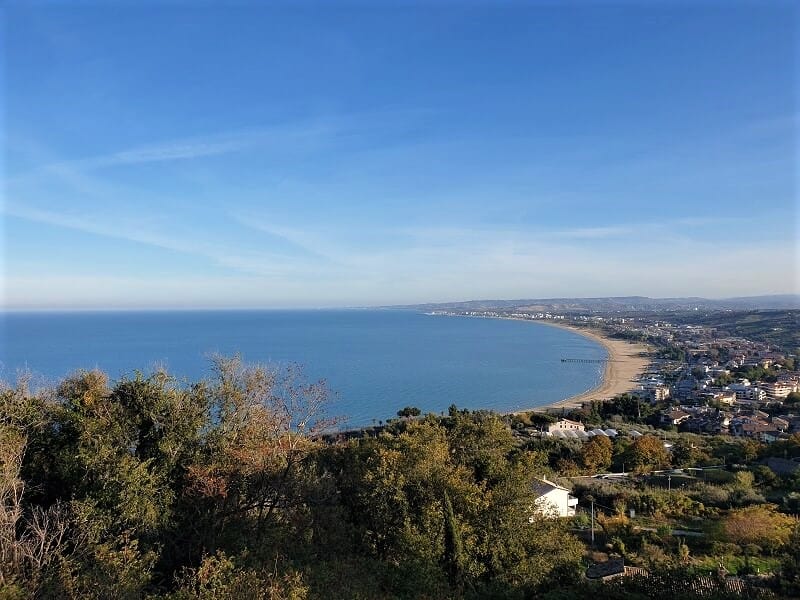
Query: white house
[[552, 499], [565, 425]]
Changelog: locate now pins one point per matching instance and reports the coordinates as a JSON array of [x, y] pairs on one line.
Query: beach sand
[[627, 360]]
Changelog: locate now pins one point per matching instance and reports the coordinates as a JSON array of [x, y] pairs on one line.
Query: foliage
[[688, 452], [219, 578], [409, 411], [755, 373], [227, 488], [790, 575], [234, 487], [647, 453], [532, 419], [596, 453], [760, 525]]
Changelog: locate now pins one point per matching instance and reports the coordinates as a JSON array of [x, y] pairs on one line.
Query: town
[[704, 449], [700, 380]]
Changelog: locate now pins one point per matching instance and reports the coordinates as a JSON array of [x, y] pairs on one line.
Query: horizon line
[[109, 309]]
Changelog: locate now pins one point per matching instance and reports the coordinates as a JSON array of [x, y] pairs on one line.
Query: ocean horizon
[[375, 361]]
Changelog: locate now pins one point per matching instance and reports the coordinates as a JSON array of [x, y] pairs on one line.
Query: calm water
[[376, 362]]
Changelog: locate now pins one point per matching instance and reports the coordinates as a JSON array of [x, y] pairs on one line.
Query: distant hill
[[620, 304]]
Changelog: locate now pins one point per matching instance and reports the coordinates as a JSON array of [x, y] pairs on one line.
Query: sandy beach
[[626, 361]]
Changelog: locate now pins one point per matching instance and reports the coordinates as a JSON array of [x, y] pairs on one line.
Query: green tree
[[409, 411], [453, 548], [687, 452], [790, 572], [219, 577]]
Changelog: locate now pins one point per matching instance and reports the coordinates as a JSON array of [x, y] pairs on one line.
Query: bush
[[219, 578]]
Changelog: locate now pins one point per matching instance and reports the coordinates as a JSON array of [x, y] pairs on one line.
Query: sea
[[375, 362]]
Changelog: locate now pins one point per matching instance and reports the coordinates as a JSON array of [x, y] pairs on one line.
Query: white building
[[745, 391], [779, 390], [565, 425], [553, 500]]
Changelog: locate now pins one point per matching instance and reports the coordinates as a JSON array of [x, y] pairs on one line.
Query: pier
[[586, 360]]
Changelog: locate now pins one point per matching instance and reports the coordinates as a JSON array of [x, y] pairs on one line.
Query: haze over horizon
[[350, 155]]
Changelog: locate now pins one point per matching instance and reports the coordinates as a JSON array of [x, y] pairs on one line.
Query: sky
[[234, 155]]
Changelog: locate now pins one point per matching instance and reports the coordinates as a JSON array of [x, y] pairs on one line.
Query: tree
[[790, 573], [596, 453], [761, 525], [409, 411], [480, 441], [687, 453], [723, 380], [30, 545], [792, 398], [393, 488], [453, 548], [628, 405], [647, 453], [219, 577], [699, 372], [233, 487], [251, 473]]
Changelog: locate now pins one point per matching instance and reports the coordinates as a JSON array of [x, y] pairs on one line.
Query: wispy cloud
[[304, 135], [305, 240], [425, 264], [265, 264], [300, 135], [133, 231], [168, 151], [72, 169], [644, 229]]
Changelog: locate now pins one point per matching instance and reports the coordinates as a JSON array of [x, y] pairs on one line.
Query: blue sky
[[177, 155]]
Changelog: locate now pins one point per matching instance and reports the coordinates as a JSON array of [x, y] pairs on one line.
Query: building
[[659, 393], [782, 466], [755, 427], [674, 417], [780, 424], [565, 425], [745, 391], [684, 388], [611, 569], [779, 390], [654, 390], [718, 396], [553, 500]]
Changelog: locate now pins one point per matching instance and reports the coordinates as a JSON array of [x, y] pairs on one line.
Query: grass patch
[[739, 564]]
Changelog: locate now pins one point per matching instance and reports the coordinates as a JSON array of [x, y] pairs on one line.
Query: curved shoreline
[[625, 362]]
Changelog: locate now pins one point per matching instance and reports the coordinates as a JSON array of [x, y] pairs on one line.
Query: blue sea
[[375, 361]]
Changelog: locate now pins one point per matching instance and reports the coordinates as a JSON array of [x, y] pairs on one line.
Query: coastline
[[624, 364]]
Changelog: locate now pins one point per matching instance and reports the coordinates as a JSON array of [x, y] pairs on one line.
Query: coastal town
[[697, 379], [678, 476], [686, 455]]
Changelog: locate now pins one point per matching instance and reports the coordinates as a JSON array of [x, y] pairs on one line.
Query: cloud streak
[[264, 264], [300, 135]]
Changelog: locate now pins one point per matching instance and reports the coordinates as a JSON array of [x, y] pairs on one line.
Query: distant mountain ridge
[[620, 303]]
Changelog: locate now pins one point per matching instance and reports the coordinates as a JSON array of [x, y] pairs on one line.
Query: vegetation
[[409, 411], [236, 487], [596, 453], [775, 327], [226, 489]]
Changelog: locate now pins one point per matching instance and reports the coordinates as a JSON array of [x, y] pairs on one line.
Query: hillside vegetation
[[235, 488]]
